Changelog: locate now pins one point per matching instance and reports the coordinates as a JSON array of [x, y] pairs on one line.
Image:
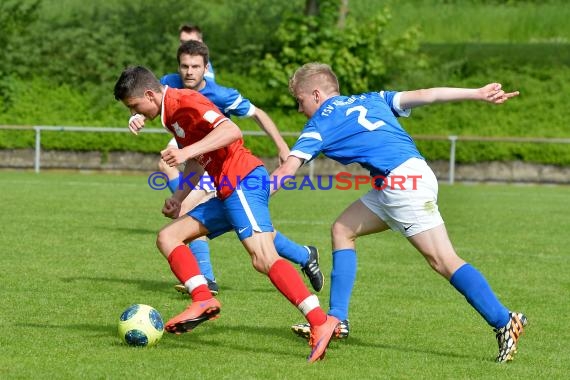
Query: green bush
[[352, 50], [538, 112], [59, 65]]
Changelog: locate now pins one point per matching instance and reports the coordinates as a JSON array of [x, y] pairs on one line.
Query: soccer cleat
[[312, 270], [212, 285], [321, 337], [508, 335], [304, 330], [196, 313]]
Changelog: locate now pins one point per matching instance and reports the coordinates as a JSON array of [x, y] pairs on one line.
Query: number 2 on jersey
[[362, 120]]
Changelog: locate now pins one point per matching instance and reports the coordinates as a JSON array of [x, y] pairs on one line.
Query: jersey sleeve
[[172, 80], [308, 145], [233, 103], [173, 143], [392, 98]]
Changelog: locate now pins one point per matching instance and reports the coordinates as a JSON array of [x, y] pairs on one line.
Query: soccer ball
[[140, 325]]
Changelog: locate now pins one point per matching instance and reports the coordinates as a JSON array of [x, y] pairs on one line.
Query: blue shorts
[[244, 211]]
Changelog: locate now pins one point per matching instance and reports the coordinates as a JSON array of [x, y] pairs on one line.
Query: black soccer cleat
[[312, 270]]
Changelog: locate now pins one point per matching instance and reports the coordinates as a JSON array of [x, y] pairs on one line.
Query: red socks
[[186, 269], [286, 279]]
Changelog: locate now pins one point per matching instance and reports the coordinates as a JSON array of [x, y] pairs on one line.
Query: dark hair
[[134, 81], [190, 28], [193, 47]]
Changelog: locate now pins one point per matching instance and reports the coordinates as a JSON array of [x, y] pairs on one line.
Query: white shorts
[[407, 201]]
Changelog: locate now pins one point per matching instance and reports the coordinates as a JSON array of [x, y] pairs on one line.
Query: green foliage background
[[61, 58]]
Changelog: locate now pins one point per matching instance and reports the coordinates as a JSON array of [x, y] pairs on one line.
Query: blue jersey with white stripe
[[359, 129], [228, 100]]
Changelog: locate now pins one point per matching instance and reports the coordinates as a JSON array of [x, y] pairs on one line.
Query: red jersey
[[190, 116]]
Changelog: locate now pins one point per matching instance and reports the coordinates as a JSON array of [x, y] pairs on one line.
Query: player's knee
[[437, 264], [259, 265], [162, 241], [262, 263], [342, 232]]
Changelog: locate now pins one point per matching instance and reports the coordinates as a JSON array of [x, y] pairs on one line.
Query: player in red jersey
[[214, 143]]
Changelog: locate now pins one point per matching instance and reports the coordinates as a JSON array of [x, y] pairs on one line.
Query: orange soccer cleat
[[321, 337], [196, 313]]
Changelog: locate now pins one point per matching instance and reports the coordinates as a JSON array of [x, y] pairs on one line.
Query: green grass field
[[77, 249]]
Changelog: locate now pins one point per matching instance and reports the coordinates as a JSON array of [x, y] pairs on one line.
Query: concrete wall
[[515, 171]]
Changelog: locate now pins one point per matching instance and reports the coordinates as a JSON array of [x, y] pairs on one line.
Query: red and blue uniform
[[190, 116]]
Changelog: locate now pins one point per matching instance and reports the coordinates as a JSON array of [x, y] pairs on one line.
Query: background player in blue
[[192, 57], [363, 129], [190, 32]]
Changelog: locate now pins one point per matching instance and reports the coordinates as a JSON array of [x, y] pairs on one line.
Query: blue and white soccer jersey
[[358, 129], [245, 211], [172, 80], [228, 100], [363, 129]]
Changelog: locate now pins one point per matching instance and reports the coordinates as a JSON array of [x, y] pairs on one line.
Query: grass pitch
[[77, 249]]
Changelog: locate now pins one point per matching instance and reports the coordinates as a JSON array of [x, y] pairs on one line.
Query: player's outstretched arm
[[269, 127], [285, 172], [490, 93]]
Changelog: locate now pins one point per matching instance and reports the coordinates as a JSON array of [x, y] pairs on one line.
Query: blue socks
[[290, 250], [173, 184], [201, 251], [469, 282], [342, 280]]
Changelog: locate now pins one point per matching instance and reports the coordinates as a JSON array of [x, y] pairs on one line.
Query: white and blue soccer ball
[[140, 325]]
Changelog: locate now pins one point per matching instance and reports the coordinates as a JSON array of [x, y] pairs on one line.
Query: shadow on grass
[[249, 341], [71, 326], [147, 285], [407, 349], [129, 230], [278, 336], [161, 286]]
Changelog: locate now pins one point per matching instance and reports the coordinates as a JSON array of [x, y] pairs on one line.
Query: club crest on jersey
[[203, 161], [179, 131]]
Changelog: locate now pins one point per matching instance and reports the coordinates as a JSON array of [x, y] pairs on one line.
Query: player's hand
[[493, 93], [171, 208], [136, 123], [174, 156], [283, 156]]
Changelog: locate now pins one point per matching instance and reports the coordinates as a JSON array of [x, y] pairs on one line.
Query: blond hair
[[314, 74]]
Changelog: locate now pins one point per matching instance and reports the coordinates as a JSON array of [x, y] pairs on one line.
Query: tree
[[312, 8], [342, 14], [362, 54]]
